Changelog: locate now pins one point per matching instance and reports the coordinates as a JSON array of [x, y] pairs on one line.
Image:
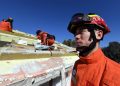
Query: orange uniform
[[96, 70], [50, 42], [5, 26], [46, 39], [42, 36]]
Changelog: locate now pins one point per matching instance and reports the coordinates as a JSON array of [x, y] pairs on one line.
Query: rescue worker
[[93, 68], [46, 39], [42, 36], [5, 26]]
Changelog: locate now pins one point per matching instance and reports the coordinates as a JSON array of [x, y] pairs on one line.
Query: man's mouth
[[79, 44]]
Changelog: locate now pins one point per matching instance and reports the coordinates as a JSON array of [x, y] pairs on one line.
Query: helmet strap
[[89, 48]]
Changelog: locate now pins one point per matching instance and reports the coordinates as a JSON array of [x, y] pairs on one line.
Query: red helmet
[[89, 20]]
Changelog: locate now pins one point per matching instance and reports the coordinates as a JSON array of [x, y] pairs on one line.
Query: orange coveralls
[[95, 70], [42, 36], [50, 41], [5, 26], [44, 40]]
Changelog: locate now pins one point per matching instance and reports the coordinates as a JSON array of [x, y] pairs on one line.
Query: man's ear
[[98, 34]]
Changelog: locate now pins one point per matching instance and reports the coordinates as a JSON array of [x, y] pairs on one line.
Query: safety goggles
[[80, 18]]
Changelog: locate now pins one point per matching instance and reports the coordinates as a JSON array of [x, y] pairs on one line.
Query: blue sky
[[53, 16]]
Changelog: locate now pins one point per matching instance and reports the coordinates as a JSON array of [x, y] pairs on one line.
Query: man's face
[[82, 38]]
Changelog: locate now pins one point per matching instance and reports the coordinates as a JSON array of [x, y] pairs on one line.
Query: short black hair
[[38, 31]]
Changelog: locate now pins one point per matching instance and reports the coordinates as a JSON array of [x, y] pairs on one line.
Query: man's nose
[[77, 37]]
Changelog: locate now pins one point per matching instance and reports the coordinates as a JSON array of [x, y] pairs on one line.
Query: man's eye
[[76, 38]]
